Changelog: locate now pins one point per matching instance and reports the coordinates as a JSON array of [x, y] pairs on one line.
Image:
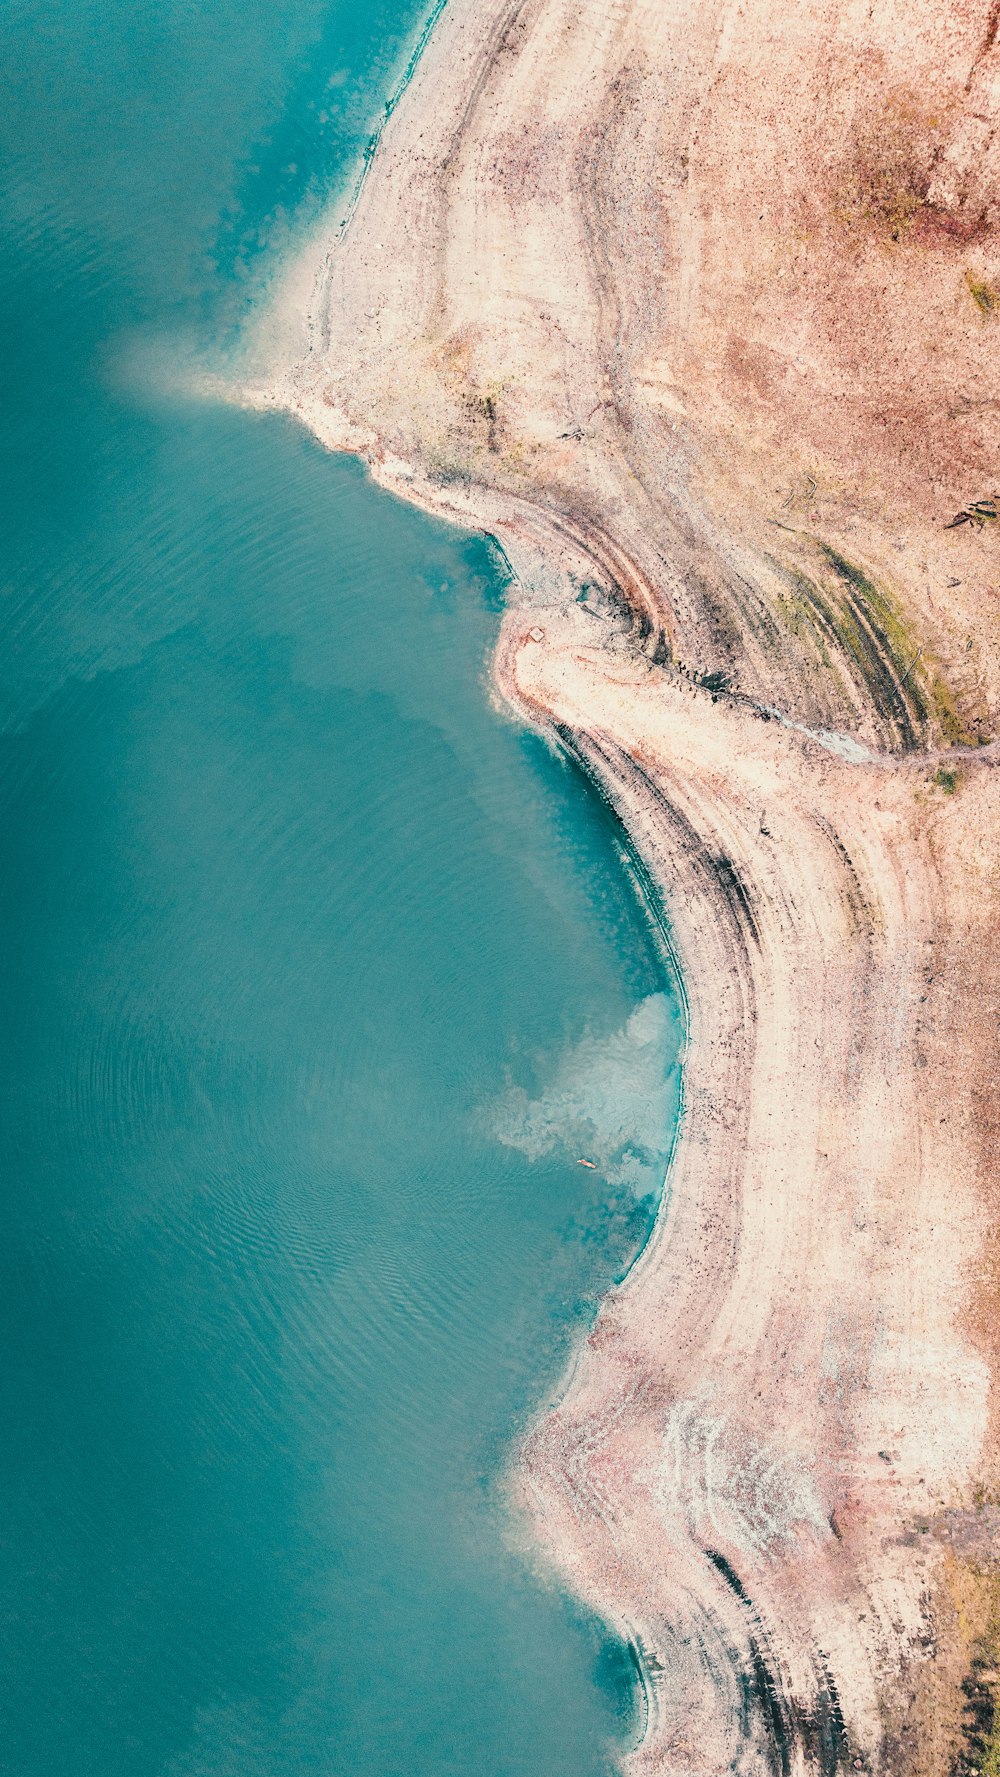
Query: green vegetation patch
[[858, 627], [949, 720], [871, 630], [925, 692], [871, 605], [946, 779], [985, 296]]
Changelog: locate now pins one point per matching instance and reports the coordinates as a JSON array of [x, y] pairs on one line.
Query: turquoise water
[[318, 978]]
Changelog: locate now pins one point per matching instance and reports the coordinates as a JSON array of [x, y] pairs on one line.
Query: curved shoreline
[[624, 1354], [651, 902], [785, 1409], [391, 103]]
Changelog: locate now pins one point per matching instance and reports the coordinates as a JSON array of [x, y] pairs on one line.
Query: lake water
[[319, 977]]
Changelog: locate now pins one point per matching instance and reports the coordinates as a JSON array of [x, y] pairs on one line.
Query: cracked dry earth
[[696, 308]]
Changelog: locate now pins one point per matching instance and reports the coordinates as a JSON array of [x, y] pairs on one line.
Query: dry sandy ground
[[696, 307]]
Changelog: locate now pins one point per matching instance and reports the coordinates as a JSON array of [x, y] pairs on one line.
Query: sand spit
[[696, 310]]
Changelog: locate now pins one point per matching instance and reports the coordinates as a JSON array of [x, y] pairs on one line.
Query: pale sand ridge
[[695, 309]]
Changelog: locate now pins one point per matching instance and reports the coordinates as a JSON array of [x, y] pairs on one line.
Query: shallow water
[[316, 973]]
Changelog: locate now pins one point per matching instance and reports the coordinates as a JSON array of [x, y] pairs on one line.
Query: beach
[[696, 316]]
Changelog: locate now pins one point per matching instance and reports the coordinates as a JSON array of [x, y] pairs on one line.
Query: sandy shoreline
[[695, 314]]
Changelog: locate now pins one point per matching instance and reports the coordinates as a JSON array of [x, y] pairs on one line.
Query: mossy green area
[[869, 632], [985, 296], [946, 780], [856, 623]]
